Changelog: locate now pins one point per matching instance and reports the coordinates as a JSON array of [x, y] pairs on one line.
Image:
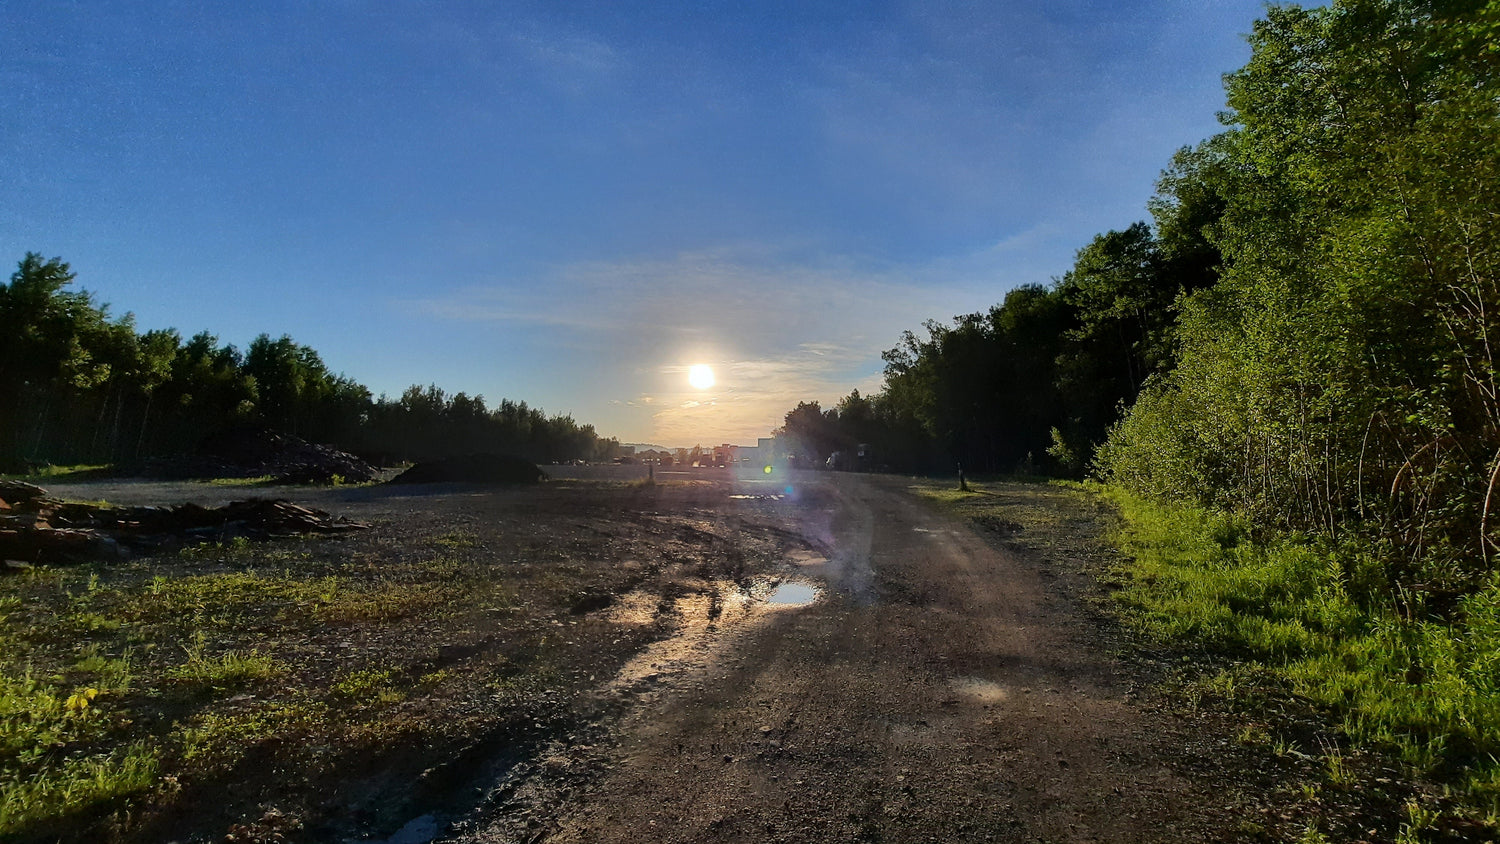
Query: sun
[[700, 376]]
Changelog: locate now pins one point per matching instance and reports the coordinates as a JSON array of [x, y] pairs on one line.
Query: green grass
[[225, 672], [364, 687], [224, 595], [218, 740], [45, 731], [79, 471], [1314, 617], [259, 480], [76, 785]]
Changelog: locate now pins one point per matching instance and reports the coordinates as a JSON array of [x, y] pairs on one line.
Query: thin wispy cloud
[[775, 332]]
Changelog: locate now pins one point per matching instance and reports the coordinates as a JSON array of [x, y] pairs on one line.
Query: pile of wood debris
[[38, 529]]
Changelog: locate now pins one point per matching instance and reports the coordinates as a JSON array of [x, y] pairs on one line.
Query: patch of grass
[[1427, 690], [1336, 768], [37, 718], [1418, 820], [217, 740], [236, 549], [45, 731], [224, 672], [84, 623], [367, 687], [387, 602], [1311, 835], [101, 503], [455, 541], [109, 674], [63, 473], [259, 480], [226, 595], [78, 784]]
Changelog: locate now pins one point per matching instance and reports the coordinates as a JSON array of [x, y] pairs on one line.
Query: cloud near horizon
[[777, 330]]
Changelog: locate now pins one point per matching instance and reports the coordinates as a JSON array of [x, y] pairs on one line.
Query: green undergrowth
[[1319, 619], [82, 471], [117, 680]]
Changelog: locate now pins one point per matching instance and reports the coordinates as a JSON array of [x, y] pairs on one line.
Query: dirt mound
[[253, 453], [42, 529], [474, 469]]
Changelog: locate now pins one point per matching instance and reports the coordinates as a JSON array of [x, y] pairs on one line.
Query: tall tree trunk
[[41, 423], [140, 441]]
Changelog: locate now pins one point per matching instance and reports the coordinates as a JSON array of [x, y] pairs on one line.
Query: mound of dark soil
[[253, 453], [473, 469]]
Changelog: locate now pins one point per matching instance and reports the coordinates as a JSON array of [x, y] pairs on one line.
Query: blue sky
[[570, 203]]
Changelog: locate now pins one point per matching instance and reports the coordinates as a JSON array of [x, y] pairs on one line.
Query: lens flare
[[700, 376]]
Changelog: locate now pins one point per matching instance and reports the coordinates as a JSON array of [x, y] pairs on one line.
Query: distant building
[[655, 457]]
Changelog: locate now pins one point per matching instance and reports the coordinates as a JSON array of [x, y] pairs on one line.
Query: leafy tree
[[1340, 376], [75, 384], [813, 434]]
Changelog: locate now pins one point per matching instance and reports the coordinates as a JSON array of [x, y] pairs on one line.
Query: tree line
[[1033, 384], [77, 386], [1304, 333]]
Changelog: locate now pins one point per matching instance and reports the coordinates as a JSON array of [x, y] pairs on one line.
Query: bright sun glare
[[700, 376]]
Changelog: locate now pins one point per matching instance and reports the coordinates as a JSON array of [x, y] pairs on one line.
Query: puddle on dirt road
[[793, 594], [705, 624], [701, 621], [420, 830], [767, 497]]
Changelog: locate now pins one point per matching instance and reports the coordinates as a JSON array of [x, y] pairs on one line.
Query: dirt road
[[944, 686]]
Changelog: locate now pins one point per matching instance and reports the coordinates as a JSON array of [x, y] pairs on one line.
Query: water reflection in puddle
[[419, 830], [791, 594], [767, 497]]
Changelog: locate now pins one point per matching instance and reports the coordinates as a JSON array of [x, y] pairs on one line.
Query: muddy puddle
[[704, 622], [420, 830], [793, 594]]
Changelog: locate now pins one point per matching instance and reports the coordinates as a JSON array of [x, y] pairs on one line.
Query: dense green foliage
[[1340, 377], [1035, 383], [1303, 335], [77, 386], [1289, 378]]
